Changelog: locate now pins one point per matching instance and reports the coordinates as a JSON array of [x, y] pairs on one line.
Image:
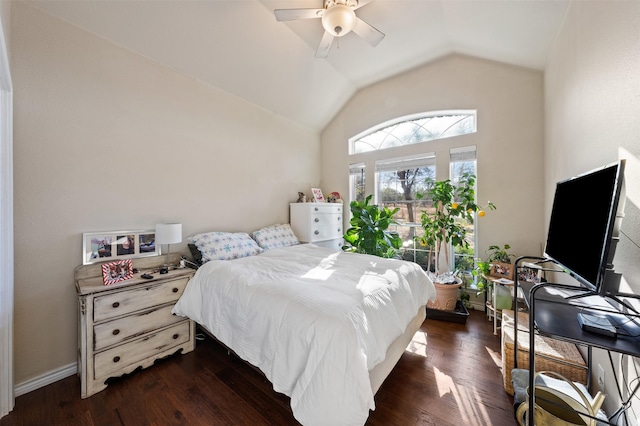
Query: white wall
[[592, 110], [509, 138], [108, 140]]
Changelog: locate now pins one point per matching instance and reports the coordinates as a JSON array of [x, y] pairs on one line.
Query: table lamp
[[168, 233]]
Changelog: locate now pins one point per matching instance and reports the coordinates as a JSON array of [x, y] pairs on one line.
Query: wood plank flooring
[[449, 375]]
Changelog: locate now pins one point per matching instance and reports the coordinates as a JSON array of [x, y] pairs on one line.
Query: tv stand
[[554, 310]]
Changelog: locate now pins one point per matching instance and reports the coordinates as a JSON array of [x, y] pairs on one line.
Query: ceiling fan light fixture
[[339, 20]]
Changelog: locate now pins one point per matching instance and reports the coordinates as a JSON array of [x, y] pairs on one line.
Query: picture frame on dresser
[[117, 245], [317, 195], [116, 271]]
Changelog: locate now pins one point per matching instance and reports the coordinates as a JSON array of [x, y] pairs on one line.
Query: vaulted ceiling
[[238, 46]]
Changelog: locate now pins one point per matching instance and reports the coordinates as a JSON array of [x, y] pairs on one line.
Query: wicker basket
[[551, 354]]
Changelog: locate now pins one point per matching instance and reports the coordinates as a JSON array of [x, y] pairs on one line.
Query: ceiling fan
[[338, 19]]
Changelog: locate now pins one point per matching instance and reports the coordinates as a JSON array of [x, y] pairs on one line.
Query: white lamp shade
[[338, 20], [168, 233]]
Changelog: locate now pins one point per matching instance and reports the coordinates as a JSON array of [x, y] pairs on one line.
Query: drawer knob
[[316, 220], [316, 209], [116, 332], [116, 304], [116, 358], [317, 232], [175, 290], [175, 336]]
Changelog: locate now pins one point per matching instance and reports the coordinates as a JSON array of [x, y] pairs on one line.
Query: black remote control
[[146, 276]]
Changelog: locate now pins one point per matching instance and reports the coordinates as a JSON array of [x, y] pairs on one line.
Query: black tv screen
[[582, 222]]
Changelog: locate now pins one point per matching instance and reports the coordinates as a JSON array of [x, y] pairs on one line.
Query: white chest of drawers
[[129, 324], [318, 223]]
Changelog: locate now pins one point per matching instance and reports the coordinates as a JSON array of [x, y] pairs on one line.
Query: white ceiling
[[239, 47]]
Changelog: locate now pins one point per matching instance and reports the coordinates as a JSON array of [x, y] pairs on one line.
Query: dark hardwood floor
[[450, 375]]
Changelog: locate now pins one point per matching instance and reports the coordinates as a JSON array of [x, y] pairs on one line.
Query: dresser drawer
[[115, 359], [137, 298], [325, 208], [335, 244], [326, 227], [326, 219], [126, 328]]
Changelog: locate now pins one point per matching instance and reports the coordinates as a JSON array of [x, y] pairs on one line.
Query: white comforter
[[313, 320]]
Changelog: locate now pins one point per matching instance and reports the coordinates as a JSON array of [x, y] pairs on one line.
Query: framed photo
[[317, 195], [115, 245], [114, 272], [501, 270], [532, 275]]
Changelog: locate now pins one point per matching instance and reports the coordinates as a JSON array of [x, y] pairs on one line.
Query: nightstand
[[129, 324]]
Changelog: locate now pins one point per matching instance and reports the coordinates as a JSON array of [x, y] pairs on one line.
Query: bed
[[324, 327]]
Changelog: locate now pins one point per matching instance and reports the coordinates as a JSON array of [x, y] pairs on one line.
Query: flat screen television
[[581, 226]]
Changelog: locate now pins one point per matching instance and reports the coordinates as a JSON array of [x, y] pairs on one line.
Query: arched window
[[414, 129], [395, 177]]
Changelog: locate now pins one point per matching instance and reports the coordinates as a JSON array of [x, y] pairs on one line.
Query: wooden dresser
[[318, 223], [129, 324]]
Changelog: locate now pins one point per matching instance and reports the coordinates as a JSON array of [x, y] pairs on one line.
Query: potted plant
[[481, 272], [454, 207], [369, 232], [495, 255]]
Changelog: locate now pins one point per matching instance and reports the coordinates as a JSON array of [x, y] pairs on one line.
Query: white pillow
[[225, 245], [275, 236]]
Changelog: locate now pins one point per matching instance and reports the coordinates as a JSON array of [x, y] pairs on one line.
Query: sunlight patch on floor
[[445, 384], [495, 356], [418, 345], [467, 398]]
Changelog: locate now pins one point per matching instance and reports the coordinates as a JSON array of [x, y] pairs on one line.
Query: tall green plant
[[369, 231], [454, 206]]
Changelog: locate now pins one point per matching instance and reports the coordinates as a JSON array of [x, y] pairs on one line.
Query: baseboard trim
[[477, 306], [45, 379]]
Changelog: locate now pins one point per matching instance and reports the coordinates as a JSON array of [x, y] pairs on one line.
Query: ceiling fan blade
[[367, 32], [362, 3], [325, 45], [295, 14]]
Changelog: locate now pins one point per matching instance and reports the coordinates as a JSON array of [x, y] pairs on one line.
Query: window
[[414, 129], [356, 182], [463, 160], [397, 179]]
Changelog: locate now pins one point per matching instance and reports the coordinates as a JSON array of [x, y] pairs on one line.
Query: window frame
[[444, 151], [412, 118]]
